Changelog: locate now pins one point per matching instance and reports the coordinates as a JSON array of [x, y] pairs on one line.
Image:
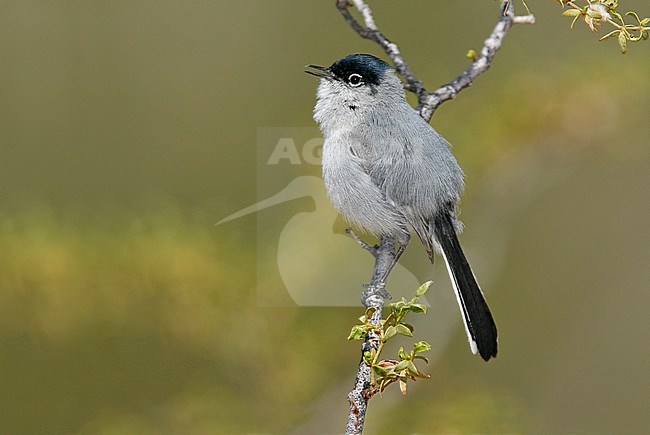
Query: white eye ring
[[355, 80]]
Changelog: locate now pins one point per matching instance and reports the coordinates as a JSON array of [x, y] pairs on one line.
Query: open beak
[[319, 71]]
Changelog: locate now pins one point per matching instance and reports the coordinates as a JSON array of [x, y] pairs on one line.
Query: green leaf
[[423, 288], [357, 333], [572, 13], [622, 42], [390, 332], [421, 346], [422, 375], [418, 308], [412, 368], [379, 371], [401, 365], [390, 319], [404, 330], [401, 354], [400, 313]]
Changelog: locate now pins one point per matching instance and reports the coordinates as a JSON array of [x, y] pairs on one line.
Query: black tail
[[479, 325]]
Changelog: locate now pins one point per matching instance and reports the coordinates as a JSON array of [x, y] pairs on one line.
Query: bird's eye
[[355, 80]]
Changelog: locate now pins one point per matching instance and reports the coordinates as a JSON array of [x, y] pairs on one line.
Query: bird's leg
[[389, 269], [375, 293], [385, 260], [395, 257]]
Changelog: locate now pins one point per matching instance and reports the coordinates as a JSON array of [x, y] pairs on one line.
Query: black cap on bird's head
[[354, 70]]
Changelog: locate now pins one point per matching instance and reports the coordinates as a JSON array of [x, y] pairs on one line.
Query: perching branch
[[375, 295], [429, 102]]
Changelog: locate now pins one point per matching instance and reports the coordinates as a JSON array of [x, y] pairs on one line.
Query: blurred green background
[[128, 128]]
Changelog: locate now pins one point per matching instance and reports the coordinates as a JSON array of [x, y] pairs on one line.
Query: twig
[[375, 295], [370, 31], [482, 63], [429, 102]]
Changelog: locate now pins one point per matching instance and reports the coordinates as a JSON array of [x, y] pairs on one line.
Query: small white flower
[[598, 13], [601, 10]]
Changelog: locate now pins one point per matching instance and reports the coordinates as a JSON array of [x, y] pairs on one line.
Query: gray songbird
[[387, 171]]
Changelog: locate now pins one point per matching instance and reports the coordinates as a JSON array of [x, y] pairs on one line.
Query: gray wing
[[416, 172]]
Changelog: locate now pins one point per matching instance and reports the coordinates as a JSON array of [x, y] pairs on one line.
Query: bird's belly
[[354, 194]]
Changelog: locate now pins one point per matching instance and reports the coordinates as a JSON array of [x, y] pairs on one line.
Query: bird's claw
[[375, 295], [364, 245]]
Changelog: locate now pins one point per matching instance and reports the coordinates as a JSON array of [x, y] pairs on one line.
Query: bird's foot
[[375, 295], [372, 249]]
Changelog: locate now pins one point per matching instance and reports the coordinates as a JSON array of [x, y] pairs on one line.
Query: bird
[[387, 172], [316, 285]]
